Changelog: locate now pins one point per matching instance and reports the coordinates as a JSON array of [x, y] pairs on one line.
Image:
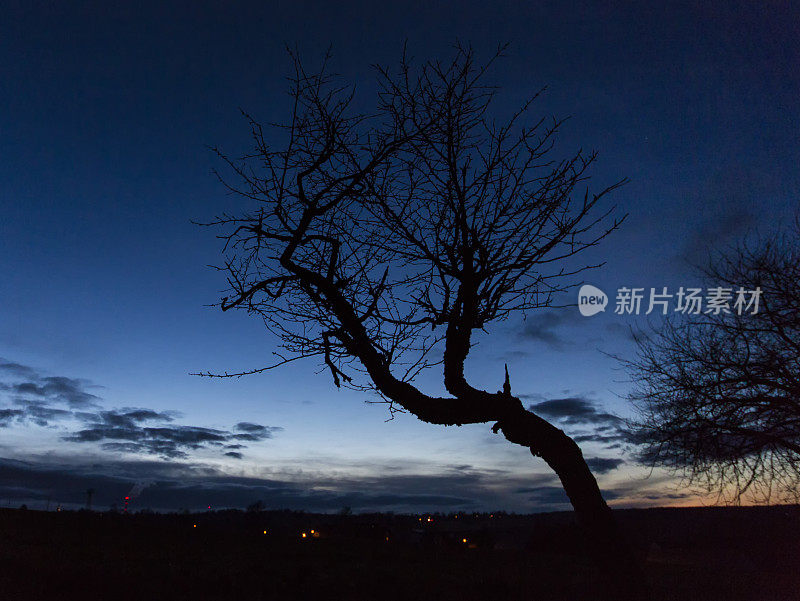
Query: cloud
[[603, 465], [254, 432], [9, 415], [648, 492], [249, 427], [575, 411], [612, 441], [52, 401], [532, 396], [41, 399], [380, 487], [195, 486], [40, 413], [587, 422], [544, 328], [536, 482], [555, 499], [53, 388], [170, 441], [16, 369], [549, 495], [128, 417]]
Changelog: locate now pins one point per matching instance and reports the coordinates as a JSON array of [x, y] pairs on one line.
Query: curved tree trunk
[[619, 568], [620, 571]]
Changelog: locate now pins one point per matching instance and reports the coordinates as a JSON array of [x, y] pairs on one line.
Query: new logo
[[591, 300]]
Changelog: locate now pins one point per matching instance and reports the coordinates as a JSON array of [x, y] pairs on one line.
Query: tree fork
[[607, 545]]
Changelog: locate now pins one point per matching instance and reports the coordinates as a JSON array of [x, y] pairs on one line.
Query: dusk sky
[[106, 119]]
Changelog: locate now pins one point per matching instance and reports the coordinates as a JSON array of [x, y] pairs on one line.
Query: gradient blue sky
[[105, 117]]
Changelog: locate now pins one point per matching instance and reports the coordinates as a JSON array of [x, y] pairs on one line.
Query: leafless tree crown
[[375, 237], [719, 394]]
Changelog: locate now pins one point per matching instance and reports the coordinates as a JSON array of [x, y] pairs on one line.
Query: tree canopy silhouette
[[379, 242], [719, 392]]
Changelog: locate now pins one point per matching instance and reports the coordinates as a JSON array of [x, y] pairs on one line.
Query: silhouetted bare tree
[[719, 392], [380, 242]]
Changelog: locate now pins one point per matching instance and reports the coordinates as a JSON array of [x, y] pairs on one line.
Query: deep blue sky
[[105, 118]]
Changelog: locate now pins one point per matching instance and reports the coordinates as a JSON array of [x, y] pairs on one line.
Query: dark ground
[[704, 554]]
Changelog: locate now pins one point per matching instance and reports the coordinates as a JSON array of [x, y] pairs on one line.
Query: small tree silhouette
[[377, 240], [256, 507]]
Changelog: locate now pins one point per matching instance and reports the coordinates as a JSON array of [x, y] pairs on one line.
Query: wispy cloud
[[52, 401], [603, 465], [587, 422], [547, 328], [28, 383], [576, 411]]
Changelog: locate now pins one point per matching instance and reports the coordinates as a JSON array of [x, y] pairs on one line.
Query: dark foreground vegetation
[[703, 554]]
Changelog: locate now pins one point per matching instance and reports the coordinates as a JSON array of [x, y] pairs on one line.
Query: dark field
[[703, 554]]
